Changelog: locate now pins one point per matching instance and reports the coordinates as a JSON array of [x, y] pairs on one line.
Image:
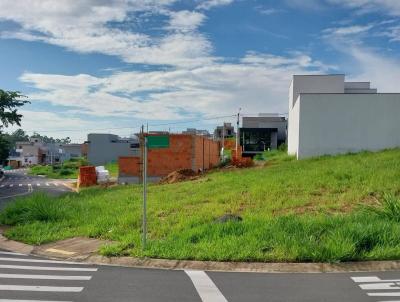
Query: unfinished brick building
[[186, 151]]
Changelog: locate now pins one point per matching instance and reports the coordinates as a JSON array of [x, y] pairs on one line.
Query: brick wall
[[178, 156], [129, 166], [186, 151], [206, 153]]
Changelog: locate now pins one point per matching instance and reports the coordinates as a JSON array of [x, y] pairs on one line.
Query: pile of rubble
[[179, 175]]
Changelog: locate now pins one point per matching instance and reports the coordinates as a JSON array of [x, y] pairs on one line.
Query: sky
[[109, 66]]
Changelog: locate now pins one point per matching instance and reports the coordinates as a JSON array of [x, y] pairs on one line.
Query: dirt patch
[[179, 175]]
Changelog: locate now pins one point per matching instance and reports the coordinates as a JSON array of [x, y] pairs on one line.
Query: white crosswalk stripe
[[377, 287], [16, 279], [15, 300]]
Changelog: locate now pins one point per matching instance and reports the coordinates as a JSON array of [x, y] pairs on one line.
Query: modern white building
[[330, 116]]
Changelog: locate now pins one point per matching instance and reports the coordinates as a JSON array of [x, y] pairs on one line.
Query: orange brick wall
[[185, 152], [206, 154], [178, 156], [129, 166]]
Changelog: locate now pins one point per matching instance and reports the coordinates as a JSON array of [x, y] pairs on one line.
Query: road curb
[[255, 267]]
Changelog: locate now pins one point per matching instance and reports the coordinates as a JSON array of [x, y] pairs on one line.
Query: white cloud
[[391, 7], [207, 4], [347, 30], [268, 11], [185, 21], [84, 26], [382, 71], [259, 82], [48, 123]]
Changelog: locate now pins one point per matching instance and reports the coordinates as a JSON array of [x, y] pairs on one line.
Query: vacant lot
[[324, 209], [68, 169]]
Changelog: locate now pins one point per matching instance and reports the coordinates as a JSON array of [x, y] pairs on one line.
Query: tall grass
[[292, 211], [387, 208]]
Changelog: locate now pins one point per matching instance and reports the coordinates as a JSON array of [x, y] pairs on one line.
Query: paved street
[[18, 183], [28, 278]]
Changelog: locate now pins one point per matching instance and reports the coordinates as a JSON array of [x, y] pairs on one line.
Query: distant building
[[37, 152], [328, 115], [227, 129], [197, 132], [260, 133], [105, 148]]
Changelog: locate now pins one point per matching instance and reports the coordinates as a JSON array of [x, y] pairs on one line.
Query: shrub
[[388, 208], [37, 207]]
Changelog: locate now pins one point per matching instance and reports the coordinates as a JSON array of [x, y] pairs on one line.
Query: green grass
[[69, 169], [112, 168], [325, 209]]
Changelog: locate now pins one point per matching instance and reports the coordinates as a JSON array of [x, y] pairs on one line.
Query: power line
[[133, 128]]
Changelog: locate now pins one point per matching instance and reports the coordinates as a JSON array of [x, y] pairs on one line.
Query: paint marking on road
[[51, 250], [36, 288], [45, 277], [12, 253], [373, 279], [16, 300], [38, 184], [11, 185], [37, 260], [20, 185], [2, 186], [205, 287], [47, 184], [49, 268], [379, 286], [386, 294]]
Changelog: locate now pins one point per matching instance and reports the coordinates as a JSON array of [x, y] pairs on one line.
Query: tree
[[10, 101], [18, 135], [49, 139]]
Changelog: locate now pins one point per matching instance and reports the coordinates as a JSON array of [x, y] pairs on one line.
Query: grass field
[[325, 209], [68, 169]]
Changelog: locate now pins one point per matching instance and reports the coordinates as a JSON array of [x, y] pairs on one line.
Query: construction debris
[[179, 175]]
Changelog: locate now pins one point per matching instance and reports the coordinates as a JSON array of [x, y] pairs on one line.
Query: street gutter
[[253, 267]]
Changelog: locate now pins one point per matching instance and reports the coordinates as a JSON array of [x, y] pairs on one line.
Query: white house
[[330, 116]]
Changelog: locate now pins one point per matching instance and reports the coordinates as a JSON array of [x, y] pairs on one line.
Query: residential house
[[226, 130], [105, 148], [195, 131], [328, 115], [35, 151], [263, 132]]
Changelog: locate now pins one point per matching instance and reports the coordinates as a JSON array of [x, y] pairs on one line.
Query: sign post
[[144, 193], [150, 142]]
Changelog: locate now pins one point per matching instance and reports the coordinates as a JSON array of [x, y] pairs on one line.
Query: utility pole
[[144, 175], [223, 140], [237, 132]]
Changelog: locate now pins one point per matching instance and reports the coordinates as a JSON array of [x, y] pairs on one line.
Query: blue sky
[[110, 66]]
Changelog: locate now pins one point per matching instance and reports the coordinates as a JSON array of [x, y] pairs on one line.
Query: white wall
[[341, 123], [293, 128], [315, 84]]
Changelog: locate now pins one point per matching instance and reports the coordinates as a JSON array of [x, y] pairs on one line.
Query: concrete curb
[[254, 267]]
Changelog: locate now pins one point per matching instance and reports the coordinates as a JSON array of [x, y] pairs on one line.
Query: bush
[[388, 208], [37, 207]]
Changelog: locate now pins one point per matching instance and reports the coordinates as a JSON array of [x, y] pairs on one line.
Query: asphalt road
[[17, 183], [28, 278]]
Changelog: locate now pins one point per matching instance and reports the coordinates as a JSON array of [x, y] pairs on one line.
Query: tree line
[[10, 102]]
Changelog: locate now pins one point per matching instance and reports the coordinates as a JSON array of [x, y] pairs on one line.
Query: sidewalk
[[85, 250]]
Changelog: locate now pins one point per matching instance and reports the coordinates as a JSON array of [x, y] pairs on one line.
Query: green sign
[[157, 141]]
